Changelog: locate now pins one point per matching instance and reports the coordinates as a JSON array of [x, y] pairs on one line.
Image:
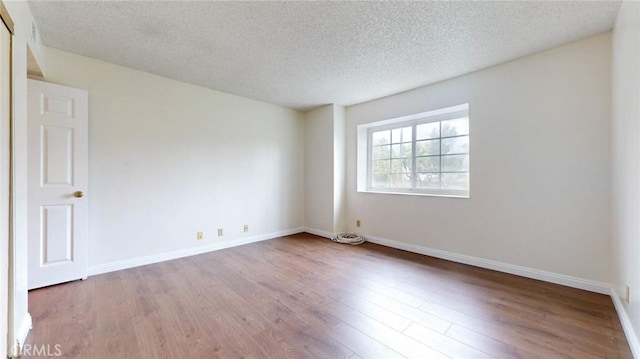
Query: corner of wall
[[625, 167], [325, 169], [627, 325], [339, 169]]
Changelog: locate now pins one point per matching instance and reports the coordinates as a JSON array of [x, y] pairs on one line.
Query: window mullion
[[413, 156], [370, 158], [457, 185], [440, 158]]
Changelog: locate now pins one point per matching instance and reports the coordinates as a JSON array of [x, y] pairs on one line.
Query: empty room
[[320, 179]]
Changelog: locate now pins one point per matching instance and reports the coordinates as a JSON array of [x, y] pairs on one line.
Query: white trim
[[366, 159], [632, 339], [161, 257], [21, 337], [408, 192], [441, 114], [550, 277], [319, 232], [545, 276]]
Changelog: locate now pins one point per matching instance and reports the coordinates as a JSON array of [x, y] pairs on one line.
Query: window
[[426, 153]]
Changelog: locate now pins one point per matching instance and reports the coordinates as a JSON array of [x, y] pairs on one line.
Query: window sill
[[421, 194]]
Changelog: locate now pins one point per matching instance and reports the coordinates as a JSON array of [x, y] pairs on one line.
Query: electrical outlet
[[245, 228], [627, 294], [220, 233], [358, 223], [200, 236]]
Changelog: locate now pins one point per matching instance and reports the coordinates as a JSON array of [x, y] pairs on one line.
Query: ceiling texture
[[309, 53]]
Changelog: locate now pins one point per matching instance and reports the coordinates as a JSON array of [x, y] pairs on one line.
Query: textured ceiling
[[305, 54]]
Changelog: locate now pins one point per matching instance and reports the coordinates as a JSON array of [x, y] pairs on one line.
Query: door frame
[[6, 171]]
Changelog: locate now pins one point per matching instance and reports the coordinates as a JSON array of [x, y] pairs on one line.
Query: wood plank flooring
[[303, 296]]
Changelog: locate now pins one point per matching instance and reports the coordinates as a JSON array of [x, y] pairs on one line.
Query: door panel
[[58, 156], [57, 106], [56, 238]]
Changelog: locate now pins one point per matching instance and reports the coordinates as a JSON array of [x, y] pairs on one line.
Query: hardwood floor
[[306, 297]]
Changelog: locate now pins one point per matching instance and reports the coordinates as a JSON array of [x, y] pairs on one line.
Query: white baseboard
[[629, 332], [569, 281], [545, 276], [556, 278], [161, 257], [21, 337], [319, 232]]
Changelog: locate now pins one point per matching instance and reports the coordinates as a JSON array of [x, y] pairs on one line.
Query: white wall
[[168, 159], [540, 151], [339, 169], [626, 159], [319, 168], [325, 193]]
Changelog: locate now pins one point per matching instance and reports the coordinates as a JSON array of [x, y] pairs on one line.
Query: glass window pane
[[407, 134], [401, 180], [455, 127], [427, 148], [455, 181], [401, 151], [380, 166], [428, 164], [380, 152], [428, 130], [427, 180], [407, 150], [399, 135], [396, 135], [380, 180], [396, 151], [455, 145], [455, 163], [401, 166], [381, 138]]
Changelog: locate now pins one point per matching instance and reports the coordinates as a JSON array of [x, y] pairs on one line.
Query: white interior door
[[58, 176]]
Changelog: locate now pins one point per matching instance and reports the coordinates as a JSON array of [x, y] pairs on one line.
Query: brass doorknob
[[78, 194]]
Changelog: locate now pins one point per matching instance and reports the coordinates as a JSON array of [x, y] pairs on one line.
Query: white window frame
[[365, 146]]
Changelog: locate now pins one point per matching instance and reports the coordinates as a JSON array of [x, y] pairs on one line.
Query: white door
[[58, 176]]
